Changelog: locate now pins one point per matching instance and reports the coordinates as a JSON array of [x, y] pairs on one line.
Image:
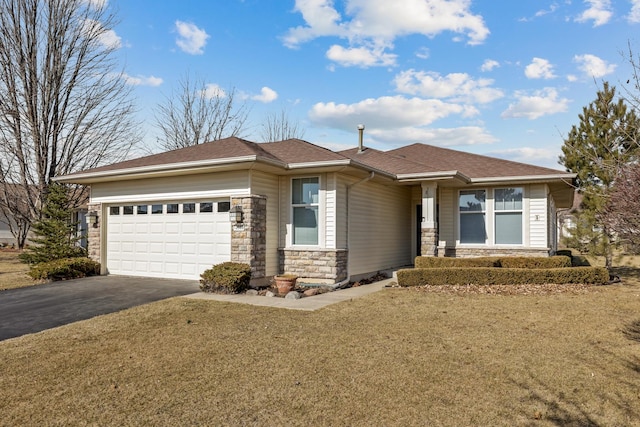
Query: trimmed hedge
[[505, 262], [65, 268], [501, 276], [231, 277]]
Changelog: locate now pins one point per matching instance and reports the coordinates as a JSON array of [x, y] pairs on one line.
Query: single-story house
[[294, 207]]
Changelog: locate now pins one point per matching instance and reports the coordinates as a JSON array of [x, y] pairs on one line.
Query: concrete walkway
[[313, 303]]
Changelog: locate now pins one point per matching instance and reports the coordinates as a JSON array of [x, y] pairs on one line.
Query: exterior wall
[[198, 186], [325, 264], [495, 251], [267, 185], [448, 218], [249, 239], [94, 235], [429, 242], [538, 218], [552, 221], [379, 226]]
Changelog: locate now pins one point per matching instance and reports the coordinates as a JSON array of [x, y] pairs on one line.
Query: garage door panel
[[178, 245]]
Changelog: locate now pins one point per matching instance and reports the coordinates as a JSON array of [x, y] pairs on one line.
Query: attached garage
[[168, 239]]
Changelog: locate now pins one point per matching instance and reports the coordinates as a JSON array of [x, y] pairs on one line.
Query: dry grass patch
[[397, 357], [13, 273]]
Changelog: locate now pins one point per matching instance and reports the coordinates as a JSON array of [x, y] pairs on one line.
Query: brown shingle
[[299, 151], [385, 162]]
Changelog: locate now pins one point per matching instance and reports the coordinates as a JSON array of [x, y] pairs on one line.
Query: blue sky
[[502, 78]]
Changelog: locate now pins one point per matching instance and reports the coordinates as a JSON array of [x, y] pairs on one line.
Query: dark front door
[[418, 230]]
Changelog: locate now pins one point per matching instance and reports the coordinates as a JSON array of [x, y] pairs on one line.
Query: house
[[294, 207]]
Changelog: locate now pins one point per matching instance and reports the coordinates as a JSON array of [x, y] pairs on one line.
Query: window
[[224, 206], [472, 208], [206, 207], [142, 209], [305, 201], [188, 208], [127, 210], [114, 210], [156, 209], [172, 208], [508, 216]]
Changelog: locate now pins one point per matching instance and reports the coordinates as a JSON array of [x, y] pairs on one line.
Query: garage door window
[[188, 208], [224, 206], [206, 207], [143, 209], [114, 210], [156, 209], [127, 210]]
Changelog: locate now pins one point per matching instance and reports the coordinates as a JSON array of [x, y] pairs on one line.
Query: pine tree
[[55, 233], [597, 149]]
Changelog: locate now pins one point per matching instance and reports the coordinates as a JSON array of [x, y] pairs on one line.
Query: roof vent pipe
[[360, 136]]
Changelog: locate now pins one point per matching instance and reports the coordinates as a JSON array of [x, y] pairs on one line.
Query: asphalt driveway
[[36, 308]]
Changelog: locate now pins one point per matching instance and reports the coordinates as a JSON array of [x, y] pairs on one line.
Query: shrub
[[501, 276], [232, 277], [536, 262], [65, 268], [439, 262]]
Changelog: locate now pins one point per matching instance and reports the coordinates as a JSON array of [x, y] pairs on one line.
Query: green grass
[[398, 357]]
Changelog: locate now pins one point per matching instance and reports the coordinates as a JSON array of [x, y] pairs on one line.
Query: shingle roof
[[299, 151], [385, 162], [470, 165]]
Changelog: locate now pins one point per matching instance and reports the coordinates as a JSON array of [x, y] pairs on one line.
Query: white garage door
[[168, 239]]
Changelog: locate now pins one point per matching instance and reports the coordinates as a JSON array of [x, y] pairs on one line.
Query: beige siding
[[448, 214], [264, 184], [538, 216], [285, 222], [330, 211], [341, 213], [198, 186], [552, 220], [379, 227]]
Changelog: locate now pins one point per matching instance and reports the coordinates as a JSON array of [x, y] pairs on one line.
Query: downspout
[[368, 178]]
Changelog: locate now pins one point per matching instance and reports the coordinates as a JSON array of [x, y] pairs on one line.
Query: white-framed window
[[508, 215], [473, 212], [305, 202]]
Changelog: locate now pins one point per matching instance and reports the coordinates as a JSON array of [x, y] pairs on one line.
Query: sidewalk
[[306, 304]]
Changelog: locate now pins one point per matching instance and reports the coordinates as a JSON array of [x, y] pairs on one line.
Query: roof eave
[[523, 178], [432, 176]]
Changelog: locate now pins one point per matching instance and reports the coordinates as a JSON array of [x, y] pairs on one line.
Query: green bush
[[535, 262], [232, 277], [439, 262], [65, 268], [501, 276]]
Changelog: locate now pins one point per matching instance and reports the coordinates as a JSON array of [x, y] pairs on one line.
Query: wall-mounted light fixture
[[92, 218], [235, 214]]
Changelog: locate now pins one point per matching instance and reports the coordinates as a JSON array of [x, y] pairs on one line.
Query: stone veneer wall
[[429, 242], [328, 264], [478, 252], [93, 232], [249, 239]]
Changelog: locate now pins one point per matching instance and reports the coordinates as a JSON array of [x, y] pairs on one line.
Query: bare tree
[[199, 113], [622, 213], [278, 127], [64, 105]]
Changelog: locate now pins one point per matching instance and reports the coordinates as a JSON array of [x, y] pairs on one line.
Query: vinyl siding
[[199, 186], [448, 221], [538, 216], [330, 211], [264, 184], [379, 227]]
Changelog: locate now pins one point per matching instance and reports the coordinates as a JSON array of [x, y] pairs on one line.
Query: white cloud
[[540, 103], [107, 38], [360, 56], [539, 69], [599, 12], [267, 95], [489, 65], [96, 4], [191, 39], [142, 80], [465, 135], [212, 90], [536, 156], [379, 23], [592, 66], [634, 14], [423, 53], [458, 87], [387, 112]]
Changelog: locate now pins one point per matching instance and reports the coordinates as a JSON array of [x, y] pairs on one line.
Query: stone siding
[[429, 242], [94, 232], [249, 239], [328, 264], [481, 252]]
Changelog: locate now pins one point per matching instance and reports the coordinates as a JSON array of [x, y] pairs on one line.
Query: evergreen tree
[[55, 233], [597, 149]]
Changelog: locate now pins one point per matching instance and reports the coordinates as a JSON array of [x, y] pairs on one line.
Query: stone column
[[429, 226], [249, 238], [94, 232]]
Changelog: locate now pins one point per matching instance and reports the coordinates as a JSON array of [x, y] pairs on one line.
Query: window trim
[[484, 211], [318, 205]]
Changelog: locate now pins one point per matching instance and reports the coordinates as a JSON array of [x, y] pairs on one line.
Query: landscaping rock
[[311, 292], [252, 292], [293, 295], [269, 294]]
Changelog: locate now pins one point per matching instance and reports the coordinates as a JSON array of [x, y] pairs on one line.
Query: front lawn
[[397, 357], [13, 273]]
